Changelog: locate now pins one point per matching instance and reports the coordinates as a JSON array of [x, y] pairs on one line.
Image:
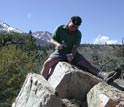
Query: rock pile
[[68, 86]]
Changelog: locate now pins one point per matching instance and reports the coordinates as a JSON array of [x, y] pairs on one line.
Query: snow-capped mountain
[[4, 27], [42, 37]]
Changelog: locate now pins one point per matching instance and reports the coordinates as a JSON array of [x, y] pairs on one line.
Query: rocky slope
[[68, 86]]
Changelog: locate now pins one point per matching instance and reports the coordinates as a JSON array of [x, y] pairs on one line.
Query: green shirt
[[61, 35]]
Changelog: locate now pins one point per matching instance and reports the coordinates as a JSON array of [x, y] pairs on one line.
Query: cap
[[76, 20]]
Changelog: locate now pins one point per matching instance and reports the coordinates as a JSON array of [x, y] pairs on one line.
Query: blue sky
[[103, 20]]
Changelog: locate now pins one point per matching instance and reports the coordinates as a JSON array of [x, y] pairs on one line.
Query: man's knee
[[50, 63], [46, 64]]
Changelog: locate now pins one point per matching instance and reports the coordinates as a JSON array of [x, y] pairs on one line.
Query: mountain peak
[[42, 37], [4, 27]]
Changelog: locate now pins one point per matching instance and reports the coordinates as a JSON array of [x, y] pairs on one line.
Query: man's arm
[[70, 56], [55, 43], [74, 49]]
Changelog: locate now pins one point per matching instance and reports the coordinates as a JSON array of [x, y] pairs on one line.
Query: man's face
[[72, 27]]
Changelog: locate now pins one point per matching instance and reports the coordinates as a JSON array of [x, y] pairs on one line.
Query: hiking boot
[[118, 72], [109, 77]]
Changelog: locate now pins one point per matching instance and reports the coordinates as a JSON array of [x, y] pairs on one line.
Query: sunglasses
[[74, 26]]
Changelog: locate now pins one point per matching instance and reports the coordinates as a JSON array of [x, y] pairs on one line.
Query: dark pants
[[62, 57]]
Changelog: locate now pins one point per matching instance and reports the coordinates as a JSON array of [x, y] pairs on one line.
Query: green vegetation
[[14, 65], [19, 55], [105, 57], [120, 51]]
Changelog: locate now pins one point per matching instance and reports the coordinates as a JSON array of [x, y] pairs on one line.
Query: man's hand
[[69, 57], [59, 46]]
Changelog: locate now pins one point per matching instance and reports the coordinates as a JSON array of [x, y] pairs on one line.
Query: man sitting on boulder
[[66, 40]]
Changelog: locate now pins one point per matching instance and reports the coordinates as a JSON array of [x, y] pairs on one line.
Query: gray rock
[[71, 103], [70, 82], [104, 95], [36, 92]]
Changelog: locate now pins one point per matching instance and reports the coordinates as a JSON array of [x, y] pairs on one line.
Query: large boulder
[[104, 95], [71, 82], [37, 92]]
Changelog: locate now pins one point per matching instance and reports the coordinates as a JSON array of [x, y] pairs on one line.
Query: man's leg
[[87, 65], [49, 63], [84, 63], [107, 76]]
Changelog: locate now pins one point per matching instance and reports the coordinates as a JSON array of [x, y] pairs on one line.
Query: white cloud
[[101, 39]]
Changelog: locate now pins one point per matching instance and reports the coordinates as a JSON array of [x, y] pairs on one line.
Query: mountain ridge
[[4, 27], [42, 37]]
